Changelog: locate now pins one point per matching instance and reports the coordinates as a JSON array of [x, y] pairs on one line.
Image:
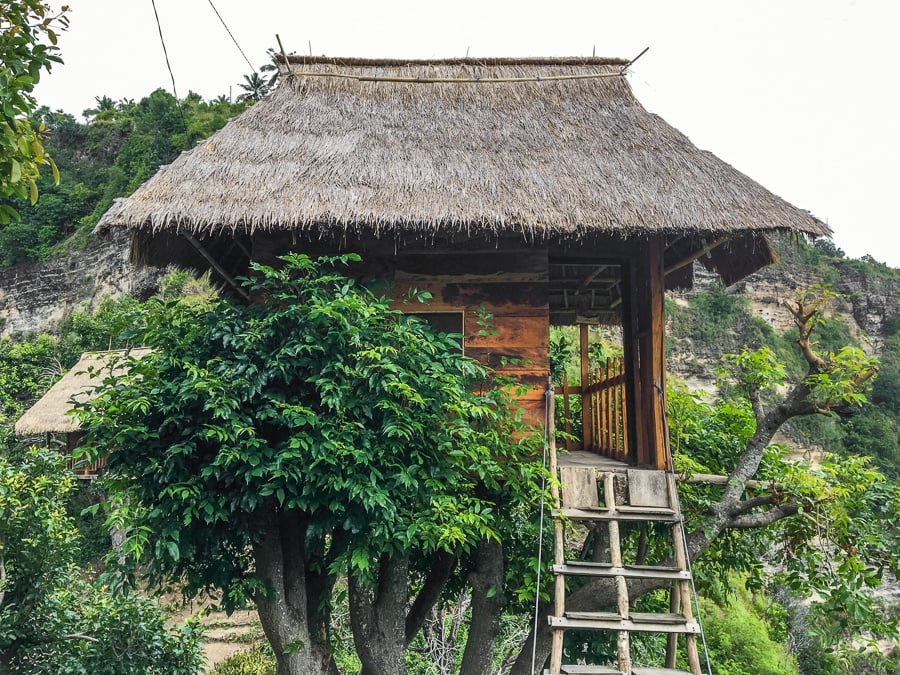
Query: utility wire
[[169, 66], [231, 35], [165, 51]]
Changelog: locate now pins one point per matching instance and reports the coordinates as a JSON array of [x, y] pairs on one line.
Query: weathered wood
[[579, 487], [510, 358], [508, 331], [685, 591], [517, 299], [587, 432], [664, 623], [559, 590], [648, 299], [570, 441], [648, 488], [483, 267], [602, 515], [578, 568]]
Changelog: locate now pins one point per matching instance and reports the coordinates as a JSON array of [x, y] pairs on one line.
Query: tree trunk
[[487, 604], [282, 606], [378, 618]]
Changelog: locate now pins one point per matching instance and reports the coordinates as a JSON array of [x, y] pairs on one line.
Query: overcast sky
[[801, 95]]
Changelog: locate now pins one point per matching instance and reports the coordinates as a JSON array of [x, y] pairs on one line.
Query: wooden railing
[[604, 417], [84, 470]]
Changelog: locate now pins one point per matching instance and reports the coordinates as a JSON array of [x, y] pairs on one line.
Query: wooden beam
[[650, 338], [587, 436], [705, 250], [201, 249], [590, 277]]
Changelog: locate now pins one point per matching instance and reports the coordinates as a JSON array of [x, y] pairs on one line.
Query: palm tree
[[105, 110], [254, 86]]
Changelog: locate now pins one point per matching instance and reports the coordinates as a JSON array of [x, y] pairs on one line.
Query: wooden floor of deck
[[591, 459]]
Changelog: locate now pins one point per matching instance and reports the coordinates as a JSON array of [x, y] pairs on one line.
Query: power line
[[169, 66], [165, 51], [231, 35]]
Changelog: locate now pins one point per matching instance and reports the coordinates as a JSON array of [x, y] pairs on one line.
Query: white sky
[[801, 95]]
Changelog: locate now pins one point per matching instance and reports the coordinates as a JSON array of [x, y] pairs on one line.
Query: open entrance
[[588, 301]]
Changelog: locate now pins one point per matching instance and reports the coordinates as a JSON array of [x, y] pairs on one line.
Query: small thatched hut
[[52, 413], [538, 188]]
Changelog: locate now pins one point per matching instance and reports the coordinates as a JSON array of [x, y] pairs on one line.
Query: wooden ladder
[[652, 498]]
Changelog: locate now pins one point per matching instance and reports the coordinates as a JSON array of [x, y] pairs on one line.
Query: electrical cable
[[169, 66], [231, 35]]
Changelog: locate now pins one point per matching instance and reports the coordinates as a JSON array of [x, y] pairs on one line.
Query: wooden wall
[[508, 280]]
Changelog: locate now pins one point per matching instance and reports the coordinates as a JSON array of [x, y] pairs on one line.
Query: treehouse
[[51, 416], [537, 190]]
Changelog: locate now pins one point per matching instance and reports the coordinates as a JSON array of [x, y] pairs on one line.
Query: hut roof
[[51, 412], [539, 146]]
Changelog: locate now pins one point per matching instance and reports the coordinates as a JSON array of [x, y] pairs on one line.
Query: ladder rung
[[587, 670], [608, 670], [633, 513], [636, 623], [576, 568]]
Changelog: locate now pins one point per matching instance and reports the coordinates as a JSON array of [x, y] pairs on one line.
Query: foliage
[[37, 539], [835, 551], [51, 620], [258, 661], [320, 402], [119, 147], [746, 635], [255, 88], [27, 369], [715, 321], [24, 24]]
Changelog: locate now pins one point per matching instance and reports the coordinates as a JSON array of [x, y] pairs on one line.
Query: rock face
[[868, 299], [35, 297]]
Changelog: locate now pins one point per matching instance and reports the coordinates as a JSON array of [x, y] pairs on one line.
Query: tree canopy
[[263, 449], [24, 24]]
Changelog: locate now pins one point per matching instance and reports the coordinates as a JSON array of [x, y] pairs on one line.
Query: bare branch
[[2, 579], [79, 636], [750, 504], [762, 519]]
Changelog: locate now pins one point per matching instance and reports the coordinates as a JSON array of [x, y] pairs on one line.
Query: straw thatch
[[51, 414], [543, 157]]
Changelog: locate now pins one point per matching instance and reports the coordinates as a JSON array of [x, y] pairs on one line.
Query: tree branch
[[758, 520], [2, 579], [749, 504], [442, 568]]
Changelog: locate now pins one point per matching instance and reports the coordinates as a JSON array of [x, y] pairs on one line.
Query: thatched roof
[[539, 146], [51, 412]]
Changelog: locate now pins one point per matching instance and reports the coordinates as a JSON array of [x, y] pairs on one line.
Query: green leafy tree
[[51, 620], [24, 24], [263, 449]]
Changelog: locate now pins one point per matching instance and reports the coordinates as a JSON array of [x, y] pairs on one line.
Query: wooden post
[[649, 309], [567, 411], [587, 434], [623, 646]]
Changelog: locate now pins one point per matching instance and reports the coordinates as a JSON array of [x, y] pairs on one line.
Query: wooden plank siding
[[512, 287]]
